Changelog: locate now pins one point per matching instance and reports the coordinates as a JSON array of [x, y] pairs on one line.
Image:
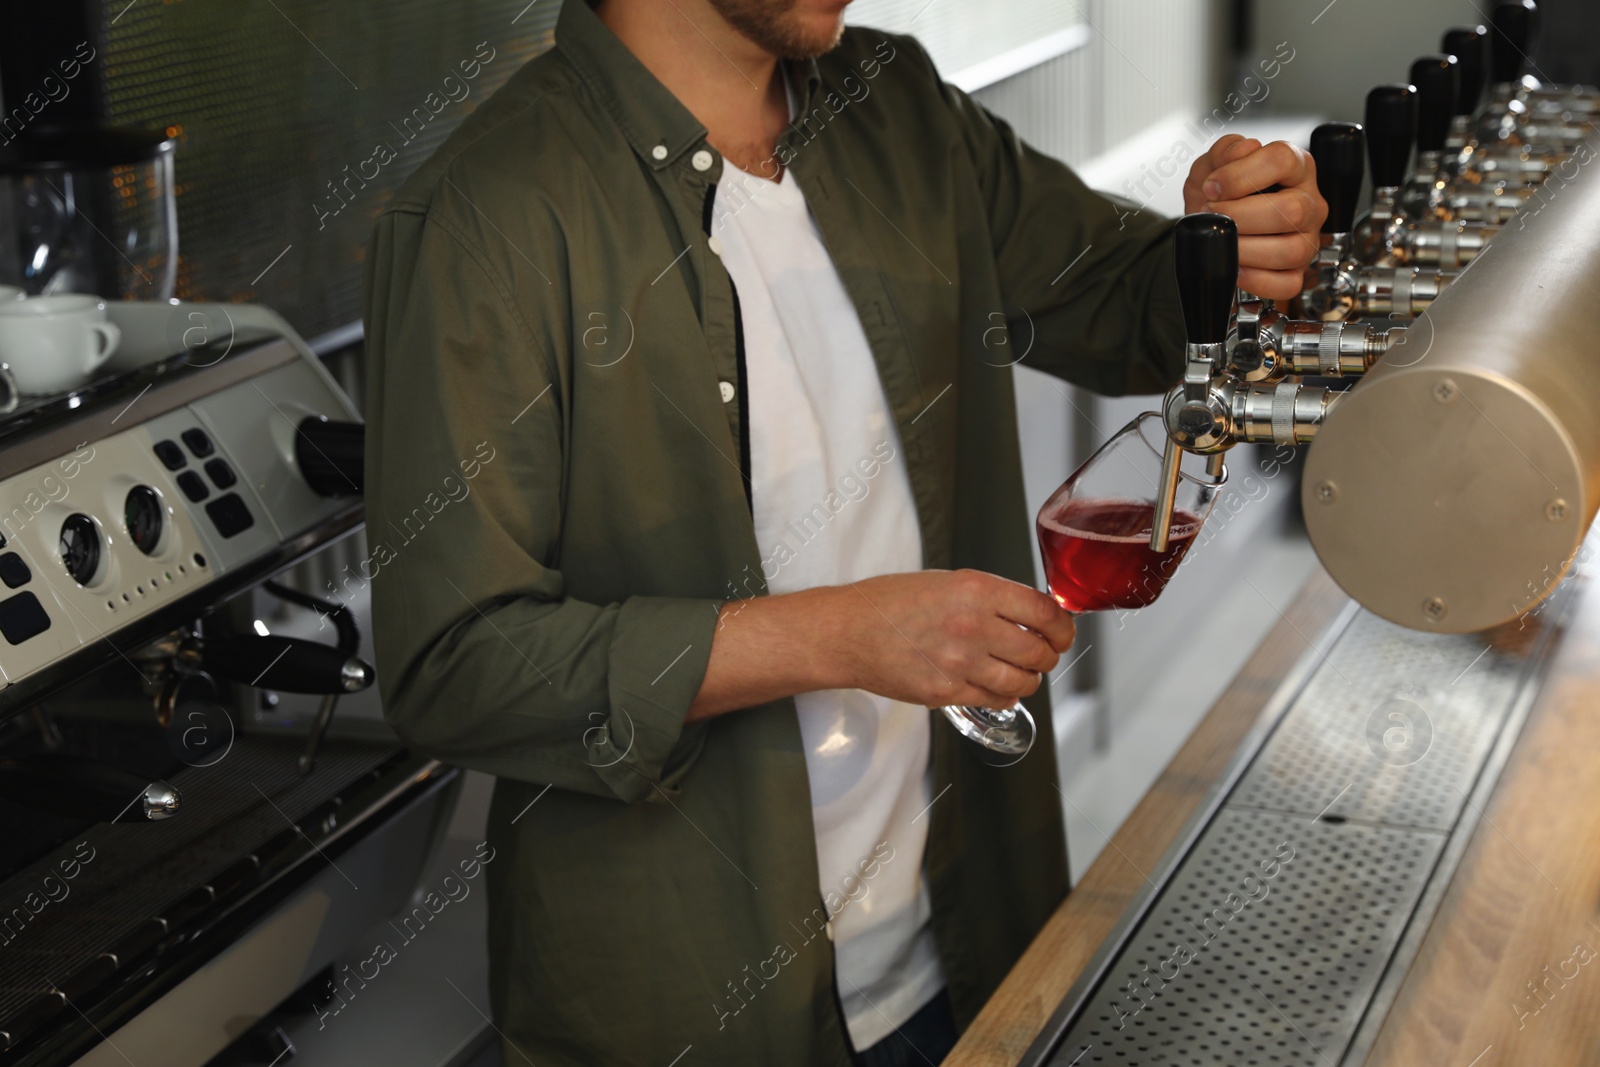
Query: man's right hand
[[950, 637], [929, 638]]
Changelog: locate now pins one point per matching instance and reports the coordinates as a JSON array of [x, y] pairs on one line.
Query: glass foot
[[1008, 730]]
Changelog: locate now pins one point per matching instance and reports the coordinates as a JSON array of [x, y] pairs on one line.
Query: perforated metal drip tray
[[1279, 931]]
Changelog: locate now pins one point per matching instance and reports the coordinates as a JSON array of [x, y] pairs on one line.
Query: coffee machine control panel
[[139, 514]]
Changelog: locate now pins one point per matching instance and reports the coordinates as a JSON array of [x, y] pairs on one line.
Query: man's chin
[[784, 32], [821, 39]]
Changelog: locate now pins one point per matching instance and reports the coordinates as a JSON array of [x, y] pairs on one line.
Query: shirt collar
[[656, 124]]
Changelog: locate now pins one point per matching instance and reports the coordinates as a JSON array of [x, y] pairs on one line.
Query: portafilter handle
[[287, 664]]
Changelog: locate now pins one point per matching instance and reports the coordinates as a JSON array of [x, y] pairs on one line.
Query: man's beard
[[772, 25]]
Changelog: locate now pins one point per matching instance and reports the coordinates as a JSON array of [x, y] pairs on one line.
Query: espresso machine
[[1435, 411], [178, 863]]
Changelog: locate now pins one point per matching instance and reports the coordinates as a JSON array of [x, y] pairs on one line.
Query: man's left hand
[[1278, 231]]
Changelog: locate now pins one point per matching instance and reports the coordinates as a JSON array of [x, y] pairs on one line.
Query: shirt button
[[659, 151], [702, 160], [727, 391], [715, 246]]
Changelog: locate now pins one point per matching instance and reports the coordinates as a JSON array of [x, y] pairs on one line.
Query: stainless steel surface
[[1234, 966], [247, 404], [160, 801], [1468, 460], [352, 891], [1275, 933]]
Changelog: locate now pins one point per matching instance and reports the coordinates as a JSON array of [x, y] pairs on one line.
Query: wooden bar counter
[[1509, 969]]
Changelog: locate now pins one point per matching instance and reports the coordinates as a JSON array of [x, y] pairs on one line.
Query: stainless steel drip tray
[[1283, 928]]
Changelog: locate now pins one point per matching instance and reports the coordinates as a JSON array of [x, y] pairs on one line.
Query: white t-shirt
[[833, 504]]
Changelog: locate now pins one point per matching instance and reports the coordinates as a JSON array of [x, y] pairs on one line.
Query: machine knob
[[1391, 128], [289, 664], [1208, 271], [67, 785], [331, 455], [1338, 148], [1470, 46], [1516, 25], [1437, 83]]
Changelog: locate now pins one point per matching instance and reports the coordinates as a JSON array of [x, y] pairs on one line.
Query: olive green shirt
[[557, 506]]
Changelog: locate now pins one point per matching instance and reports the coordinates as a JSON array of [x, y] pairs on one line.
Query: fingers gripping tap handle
[[1339, 151], [1391, 128]]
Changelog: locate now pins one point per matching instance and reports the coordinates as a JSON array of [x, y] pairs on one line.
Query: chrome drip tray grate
[[1283, 924], [1264, 947], [1393, 728]]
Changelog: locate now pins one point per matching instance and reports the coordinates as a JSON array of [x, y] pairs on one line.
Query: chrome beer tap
[[1436, 79], [1212, 409], [1385, 236], [1470, 46], [1345, 289], [1515, 34]]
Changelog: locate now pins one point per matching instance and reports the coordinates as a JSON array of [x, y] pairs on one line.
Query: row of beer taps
[[1489, 139]]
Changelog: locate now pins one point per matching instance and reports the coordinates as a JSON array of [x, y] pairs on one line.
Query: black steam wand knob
[[1437, 81], [1339, 151], [1207, 267], [1470, 46], [1391, 127]]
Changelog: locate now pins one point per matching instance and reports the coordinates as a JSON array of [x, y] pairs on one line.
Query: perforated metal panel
[[1392, 729], [1280, 929], [1264, 948]]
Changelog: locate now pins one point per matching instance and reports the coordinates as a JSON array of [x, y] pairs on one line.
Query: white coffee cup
[[54, 344]]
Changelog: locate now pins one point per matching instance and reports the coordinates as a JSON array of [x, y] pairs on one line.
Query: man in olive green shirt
[[567, 590]]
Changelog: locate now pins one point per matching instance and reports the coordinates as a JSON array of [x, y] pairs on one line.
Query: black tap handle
[[1436, 82], [1391, 127], [1208, 271], [1516, 25], [289, 664], [1470, 46], [82, 788], [330, 455], [1339, 150]]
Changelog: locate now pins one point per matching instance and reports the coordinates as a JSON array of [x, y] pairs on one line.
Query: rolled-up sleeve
[[483, 659]]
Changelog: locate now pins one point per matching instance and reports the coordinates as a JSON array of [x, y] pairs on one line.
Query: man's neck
[[728, 83]]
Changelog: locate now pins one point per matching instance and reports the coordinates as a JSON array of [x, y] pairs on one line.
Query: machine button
[[231, 515], [171, 456], [13, 571], [221, 473], [198, 442], [193, 486], [22, 617]]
